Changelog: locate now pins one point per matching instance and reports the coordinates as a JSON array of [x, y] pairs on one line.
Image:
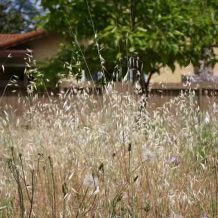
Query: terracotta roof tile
[[9, 40]]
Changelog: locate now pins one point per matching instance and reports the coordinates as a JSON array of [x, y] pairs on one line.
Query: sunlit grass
[[88, 156]]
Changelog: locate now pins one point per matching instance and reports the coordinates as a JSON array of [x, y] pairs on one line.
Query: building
[[16, 50], [167, 76]]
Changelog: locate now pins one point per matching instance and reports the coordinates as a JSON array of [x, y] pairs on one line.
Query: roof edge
[[21, 38]]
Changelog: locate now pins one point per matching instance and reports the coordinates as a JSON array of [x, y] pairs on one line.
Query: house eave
[[23, 38]]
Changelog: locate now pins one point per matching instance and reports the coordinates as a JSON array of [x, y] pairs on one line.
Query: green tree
[[17, 16], [159, 33], [202, 32], [10, 21]]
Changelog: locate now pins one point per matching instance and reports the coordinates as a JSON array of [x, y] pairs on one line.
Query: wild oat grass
[[86, 156]]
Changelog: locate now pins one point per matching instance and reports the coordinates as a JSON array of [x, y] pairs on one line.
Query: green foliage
[[17, 16], [159, 32], [70, 61], [202, 31], [10, 22]]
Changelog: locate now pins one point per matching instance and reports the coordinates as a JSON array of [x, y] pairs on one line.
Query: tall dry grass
[[82, 156]]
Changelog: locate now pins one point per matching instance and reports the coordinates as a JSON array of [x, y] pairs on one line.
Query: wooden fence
[[206, 94]]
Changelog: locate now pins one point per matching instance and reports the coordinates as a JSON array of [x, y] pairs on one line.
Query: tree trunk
[[145, 84], [132, 14], [145, 90]]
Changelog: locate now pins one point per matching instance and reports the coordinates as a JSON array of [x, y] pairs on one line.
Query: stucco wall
[[166, 75], [45, 47]]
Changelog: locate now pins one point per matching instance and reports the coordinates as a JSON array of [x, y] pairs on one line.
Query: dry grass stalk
[[104, 164]]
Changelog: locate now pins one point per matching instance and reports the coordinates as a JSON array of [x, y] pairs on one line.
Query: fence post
[[200, 101]]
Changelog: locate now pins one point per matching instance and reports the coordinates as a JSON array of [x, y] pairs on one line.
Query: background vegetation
[[17, 16], [101, 36], [100, 156], [107, 33]]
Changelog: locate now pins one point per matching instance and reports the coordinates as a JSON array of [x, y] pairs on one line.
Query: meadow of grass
[[93, 157]]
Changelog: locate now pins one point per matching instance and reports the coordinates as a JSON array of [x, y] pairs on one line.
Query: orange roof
[[9, 40]]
